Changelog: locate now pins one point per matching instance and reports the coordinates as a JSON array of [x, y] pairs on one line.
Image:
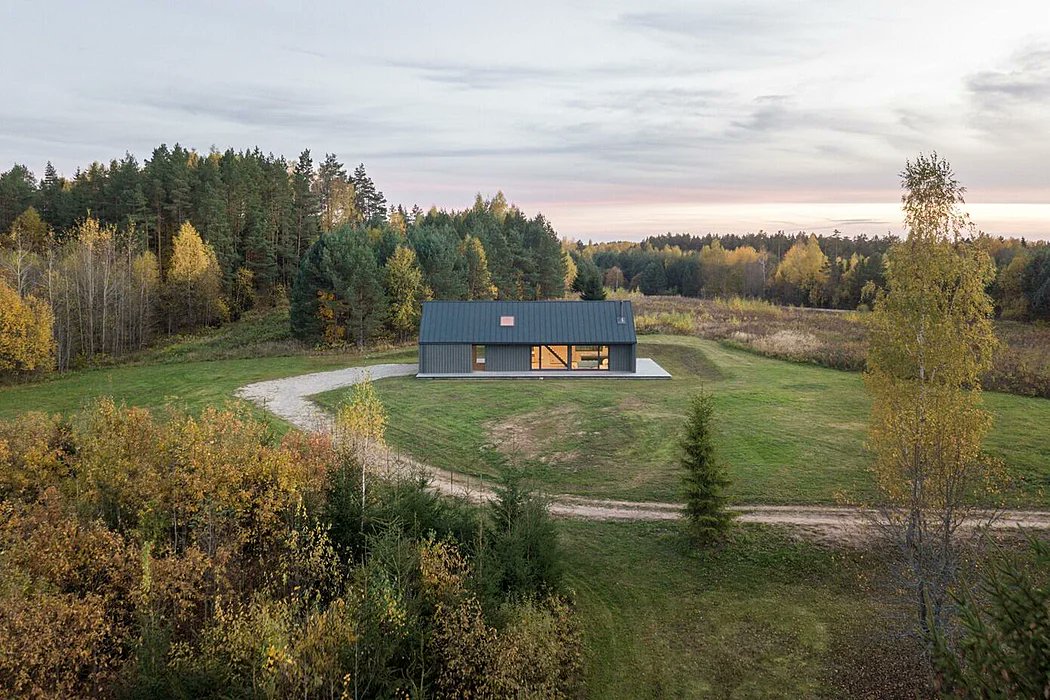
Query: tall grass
[[668, 322], [832, 339]]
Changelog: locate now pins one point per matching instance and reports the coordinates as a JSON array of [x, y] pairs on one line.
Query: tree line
[[257, 211], [829, 271], [120, 252]]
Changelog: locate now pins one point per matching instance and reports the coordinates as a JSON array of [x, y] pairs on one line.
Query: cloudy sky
[[616, 119]]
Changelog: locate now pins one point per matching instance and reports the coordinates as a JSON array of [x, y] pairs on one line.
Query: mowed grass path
[[789, 433]]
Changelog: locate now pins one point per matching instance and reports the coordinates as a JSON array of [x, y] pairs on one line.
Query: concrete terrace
[[646, 369]]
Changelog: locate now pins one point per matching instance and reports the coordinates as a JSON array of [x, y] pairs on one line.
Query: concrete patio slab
[[646, 368]]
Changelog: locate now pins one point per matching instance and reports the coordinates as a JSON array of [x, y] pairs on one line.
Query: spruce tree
[[705, 480], [1002, 648], [304, 302], [588, 282]]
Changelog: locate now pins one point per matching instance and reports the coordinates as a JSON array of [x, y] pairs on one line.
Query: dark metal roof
[[535, 322]]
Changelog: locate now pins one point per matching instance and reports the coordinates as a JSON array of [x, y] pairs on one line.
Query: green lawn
[[790, 433], [762, 617]]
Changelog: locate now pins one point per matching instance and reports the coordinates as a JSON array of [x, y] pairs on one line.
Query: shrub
[[31, 450], [522, 557], [361, 419]]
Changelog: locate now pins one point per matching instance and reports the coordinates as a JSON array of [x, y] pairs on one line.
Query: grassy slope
[[789, 432], [763, 616]]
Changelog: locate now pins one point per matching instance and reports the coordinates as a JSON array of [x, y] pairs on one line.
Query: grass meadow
[[836, 339]]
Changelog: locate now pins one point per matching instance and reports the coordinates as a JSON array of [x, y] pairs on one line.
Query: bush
[[674, 323]]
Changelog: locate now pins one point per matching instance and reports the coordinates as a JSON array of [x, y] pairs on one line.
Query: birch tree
[[193, 288], [931, 340]]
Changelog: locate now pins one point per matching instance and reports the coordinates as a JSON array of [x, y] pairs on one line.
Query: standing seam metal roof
[[535, 322]]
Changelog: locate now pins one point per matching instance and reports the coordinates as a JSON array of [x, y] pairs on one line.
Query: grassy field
[[789, 432], [762, 617], [187, 386]]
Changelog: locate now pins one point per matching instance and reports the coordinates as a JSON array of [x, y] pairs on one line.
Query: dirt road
[[289, 399]]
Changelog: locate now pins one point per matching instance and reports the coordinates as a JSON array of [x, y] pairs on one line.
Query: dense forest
[[98, 264], [118, 253]]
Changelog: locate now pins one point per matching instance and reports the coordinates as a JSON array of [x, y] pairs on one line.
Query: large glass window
[[570, 357]]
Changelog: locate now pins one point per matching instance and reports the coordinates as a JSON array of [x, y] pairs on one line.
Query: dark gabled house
[[520, 338]]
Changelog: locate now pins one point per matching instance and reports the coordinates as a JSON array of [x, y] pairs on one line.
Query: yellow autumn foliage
[[362, 419], [26, 340], [194, 282]]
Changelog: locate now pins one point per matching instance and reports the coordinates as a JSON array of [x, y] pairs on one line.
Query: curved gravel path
[[289, 399]]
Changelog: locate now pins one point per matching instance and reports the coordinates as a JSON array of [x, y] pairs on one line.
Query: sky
[[615, 119]]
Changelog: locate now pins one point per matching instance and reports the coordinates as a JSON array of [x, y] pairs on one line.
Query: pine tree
[[546, 262], [305, 206], [259, 252], [353, 275], [17, 193], [304, 302], [653, 279], [53, 200], [124, 189], [370, 202], [705, 480], [436, 249], [213, 223], [333, 192]]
